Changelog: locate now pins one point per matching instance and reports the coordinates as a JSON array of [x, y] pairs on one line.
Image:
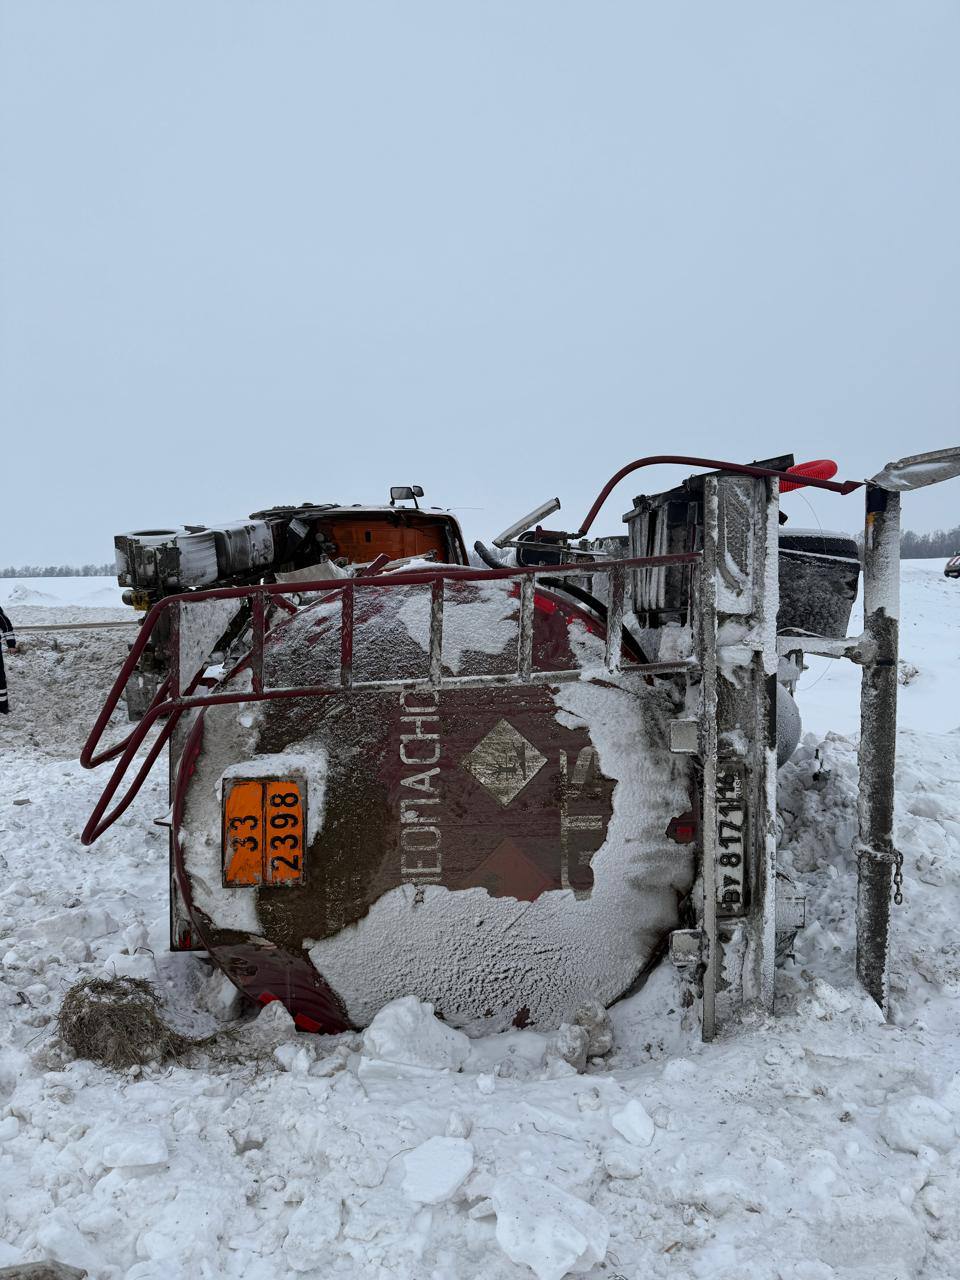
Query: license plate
[[731, 842], [263, 832]]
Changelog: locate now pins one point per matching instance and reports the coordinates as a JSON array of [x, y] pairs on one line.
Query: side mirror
[[405, 493], [919, 469]]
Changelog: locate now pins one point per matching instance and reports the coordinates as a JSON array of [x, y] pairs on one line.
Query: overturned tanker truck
[[509, 785]]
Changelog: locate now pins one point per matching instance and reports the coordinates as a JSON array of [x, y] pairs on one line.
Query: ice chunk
[[59, 1238], [312, 1227], [138, 1144], [911, 1123], [568, 1044], [272, 1026], [545, 1227], [295, 1058], [83, 922], [220, 997], [118, 965], [437, 1169], [622, 1159], [633, 1123], [406, 1032], [595, 1018]]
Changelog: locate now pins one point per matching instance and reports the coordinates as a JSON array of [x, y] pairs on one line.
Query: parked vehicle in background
[[952, 568]]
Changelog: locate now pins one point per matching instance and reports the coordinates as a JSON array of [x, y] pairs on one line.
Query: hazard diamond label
[[504, 762]]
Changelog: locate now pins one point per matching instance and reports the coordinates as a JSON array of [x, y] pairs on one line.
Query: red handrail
[[173, 707]]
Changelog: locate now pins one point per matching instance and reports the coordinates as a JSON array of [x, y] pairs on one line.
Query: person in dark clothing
[[6, 630]]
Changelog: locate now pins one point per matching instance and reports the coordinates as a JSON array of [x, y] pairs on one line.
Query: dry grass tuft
[[116, 1022]]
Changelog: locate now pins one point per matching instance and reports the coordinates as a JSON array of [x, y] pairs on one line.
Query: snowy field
[[821, 1144], [85, 592]]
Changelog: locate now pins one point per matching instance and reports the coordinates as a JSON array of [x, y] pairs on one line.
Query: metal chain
[[898, 878]]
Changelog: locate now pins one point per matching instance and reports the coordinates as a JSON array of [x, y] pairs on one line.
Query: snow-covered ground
[[86, 592], [820, 1144], [829, 692]]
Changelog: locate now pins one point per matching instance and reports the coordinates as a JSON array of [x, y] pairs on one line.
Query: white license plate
[[731, 842]]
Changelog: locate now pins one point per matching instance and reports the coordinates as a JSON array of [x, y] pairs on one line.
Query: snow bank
[[57, 592]]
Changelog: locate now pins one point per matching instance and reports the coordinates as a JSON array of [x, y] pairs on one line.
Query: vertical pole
[[346, 636], [256, 648], [173, 648], [766, 610], [878, 738], [525, 635], [708, 752], [614, 643], [436, 632]]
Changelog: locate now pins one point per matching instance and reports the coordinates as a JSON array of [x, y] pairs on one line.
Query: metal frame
[[173, 701], [737, 747], [876, 650]]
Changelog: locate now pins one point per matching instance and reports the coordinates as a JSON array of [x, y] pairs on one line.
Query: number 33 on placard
[[263, 832]]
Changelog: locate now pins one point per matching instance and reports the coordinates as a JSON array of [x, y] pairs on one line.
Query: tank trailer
[[510, 781]]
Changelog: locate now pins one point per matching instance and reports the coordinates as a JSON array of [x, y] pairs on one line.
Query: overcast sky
[[269, 252]]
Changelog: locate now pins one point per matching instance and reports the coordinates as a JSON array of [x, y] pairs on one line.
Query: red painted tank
[[500, 851]]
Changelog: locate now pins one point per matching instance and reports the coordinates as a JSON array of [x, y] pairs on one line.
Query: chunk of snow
[[9, 1255], [911, 1123], [60, 1239], [142, 965], [407, 1032], [633, 1123], [622, 1159], [83, 922], [272, 1026], [136, 1145], [568, 1044], [437, 1169], [543, 1226], [594, 1017], [313, 1226], [293, 1057]]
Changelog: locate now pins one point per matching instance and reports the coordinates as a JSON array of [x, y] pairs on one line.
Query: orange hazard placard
[[263, 836]]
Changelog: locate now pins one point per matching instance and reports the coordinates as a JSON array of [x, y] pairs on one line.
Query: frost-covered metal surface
[[737, 609], [878, 731], [198, 629]]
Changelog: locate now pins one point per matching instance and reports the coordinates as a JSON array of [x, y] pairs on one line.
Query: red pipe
[[847, 486]]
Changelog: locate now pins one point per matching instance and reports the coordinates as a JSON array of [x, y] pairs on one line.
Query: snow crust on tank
[[229, 736], [484, 625]]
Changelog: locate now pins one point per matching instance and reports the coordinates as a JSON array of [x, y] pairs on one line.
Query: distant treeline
[[59, 571], [929, 546]]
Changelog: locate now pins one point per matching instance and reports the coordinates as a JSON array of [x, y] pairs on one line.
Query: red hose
[[823, 469]]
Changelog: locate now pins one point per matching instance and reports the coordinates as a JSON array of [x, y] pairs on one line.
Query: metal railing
[[171, 701]]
